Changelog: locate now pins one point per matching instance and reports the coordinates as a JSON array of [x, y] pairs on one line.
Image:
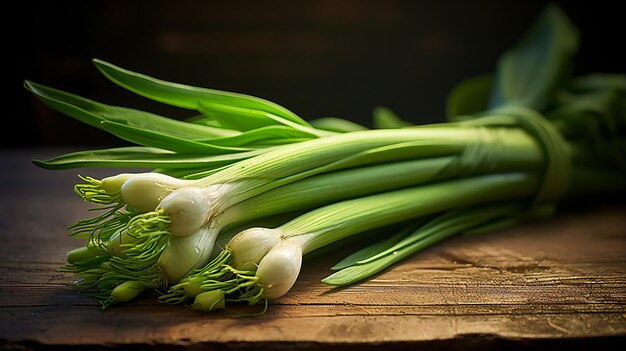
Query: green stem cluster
[[518, 142]]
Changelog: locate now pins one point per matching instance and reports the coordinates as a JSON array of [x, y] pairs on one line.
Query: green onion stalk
[[488, 144], [471, 220], [521, 135], [262, 263], [164, 245], [214, 138], [230, 127]]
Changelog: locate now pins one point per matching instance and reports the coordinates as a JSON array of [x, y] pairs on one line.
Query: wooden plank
[[469, 286], [64, 297], [139, 324]]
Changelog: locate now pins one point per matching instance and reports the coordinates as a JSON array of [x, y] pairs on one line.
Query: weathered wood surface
[[555, 284]]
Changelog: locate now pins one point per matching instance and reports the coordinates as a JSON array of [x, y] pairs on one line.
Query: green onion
[[205, 200], [470, 220], [517, 142], [337, 221]]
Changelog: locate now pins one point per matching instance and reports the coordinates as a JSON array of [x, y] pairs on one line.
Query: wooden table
[[559, 284]]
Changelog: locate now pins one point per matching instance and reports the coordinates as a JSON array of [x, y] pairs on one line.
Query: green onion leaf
[[274, 135], [186, 96], [335, 124], [384, 118], [245, 119], [159, 140], [93, 113], [529, 73], [441, 227], [371, 250], [141, 157], [470, 96]]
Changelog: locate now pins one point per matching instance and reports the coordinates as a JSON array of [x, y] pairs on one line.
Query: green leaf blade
[[384, 118], [93, 113], [470, 96], [447, 224], [245, 119], [334, 124], [528, 74], [186, 96], [141, 157], [275, 135], [63, 102], [368, 251], [150, 138]]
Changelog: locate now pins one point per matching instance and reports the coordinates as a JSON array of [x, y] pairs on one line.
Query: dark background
[[317, 58]]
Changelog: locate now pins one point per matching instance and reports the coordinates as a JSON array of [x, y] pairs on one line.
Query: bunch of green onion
[[191, 227]]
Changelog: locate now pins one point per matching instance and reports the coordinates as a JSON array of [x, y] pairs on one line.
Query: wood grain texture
[[556, 284]]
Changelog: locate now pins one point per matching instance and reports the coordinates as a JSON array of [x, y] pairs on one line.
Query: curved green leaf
[[469, 96], [186, 96], [384, 118], [382, 255], [245, 119], [371, 250], [529, 73], [141, 157], [203, 120], [93, 113], [159, 140], [275, 135], [238, 118], [334, 124]]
